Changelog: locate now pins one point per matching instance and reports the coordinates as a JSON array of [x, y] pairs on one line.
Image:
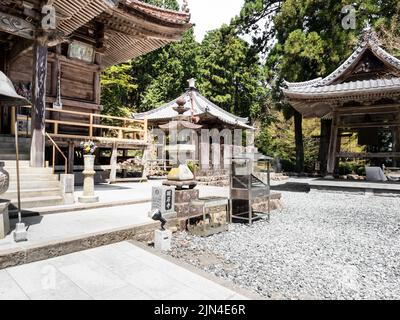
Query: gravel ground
[[320, 246]]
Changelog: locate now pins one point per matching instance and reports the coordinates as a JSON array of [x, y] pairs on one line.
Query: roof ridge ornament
[[185, 6], [369, 36]]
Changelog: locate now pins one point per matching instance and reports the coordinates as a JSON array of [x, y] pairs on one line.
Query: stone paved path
[[120, 271]]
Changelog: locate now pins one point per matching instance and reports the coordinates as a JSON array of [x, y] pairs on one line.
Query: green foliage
[[117, 89], [231, 74], [304, 39], [228, 71], [352, 167], [167, 4]]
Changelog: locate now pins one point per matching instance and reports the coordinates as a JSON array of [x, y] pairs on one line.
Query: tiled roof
[[132, 28], [368, 41], [316, 97], [201, 106], [346, 87]]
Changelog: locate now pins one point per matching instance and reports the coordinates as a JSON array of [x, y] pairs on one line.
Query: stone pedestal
[[183, 198], [20, 233], [88, 182], [162, 240], [67, 183], [4, 219]]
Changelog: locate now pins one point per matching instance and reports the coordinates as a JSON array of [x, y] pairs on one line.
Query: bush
[[353, 167]]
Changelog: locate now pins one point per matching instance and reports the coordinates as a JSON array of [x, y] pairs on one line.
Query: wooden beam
[[20, 48], [370, 125], [16, 26], [356, 155], [39, 105], [361, 110], [71, 157]]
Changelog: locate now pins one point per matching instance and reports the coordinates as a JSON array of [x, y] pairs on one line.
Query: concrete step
[[11, 138], [25, 170], [12, 156], [11, 150], [12, 163], [31, 193], [28, 185], [37, 202], [38, 177]]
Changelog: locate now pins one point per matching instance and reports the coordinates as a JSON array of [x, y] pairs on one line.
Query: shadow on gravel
[[292, 187]]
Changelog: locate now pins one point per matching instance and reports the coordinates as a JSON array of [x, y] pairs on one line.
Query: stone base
[[20, 233], [84, 199], [4, 219], [67, 184], [191, 184], [185, 196]]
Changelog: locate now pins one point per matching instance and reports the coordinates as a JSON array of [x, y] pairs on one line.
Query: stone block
[[185, 196], [4, 219], [163, 199], [67, 184], [182, 210]]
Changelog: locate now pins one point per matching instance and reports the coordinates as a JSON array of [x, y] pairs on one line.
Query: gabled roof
[[352, 80], [201, 107]]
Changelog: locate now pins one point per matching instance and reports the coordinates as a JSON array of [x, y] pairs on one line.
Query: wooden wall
[[80, 85]]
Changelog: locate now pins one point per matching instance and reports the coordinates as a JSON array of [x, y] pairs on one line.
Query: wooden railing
[[56, 147], [98, 127]]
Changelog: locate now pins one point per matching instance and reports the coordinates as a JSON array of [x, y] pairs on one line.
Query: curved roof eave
[[368, 41]]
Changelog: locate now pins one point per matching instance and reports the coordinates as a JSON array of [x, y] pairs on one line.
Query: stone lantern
[[180, 176]]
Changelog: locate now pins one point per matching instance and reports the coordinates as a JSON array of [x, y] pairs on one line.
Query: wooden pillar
[[326, 126], [71, 157], [396, 144], [113, 162], [38, 105], [333, 146]]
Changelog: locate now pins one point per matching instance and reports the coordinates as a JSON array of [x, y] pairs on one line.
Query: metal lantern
[[10, 98]]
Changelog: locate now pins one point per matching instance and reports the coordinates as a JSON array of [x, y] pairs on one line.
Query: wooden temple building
[[362, 96], [213, 144], [54, 52]]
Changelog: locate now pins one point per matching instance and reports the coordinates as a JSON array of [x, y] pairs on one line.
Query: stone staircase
[[7, 148], [39, 186]]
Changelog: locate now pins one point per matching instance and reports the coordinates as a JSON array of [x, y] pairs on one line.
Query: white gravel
[[320, 246]]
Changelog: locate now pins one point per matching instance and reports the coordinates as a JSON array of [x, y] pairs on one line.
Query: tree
[[304, 40], [163, 74], [230, 73], [167, 4]]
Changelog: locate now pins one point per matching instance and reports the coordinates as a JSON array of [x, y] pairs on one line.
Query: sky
[[211, 14]]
